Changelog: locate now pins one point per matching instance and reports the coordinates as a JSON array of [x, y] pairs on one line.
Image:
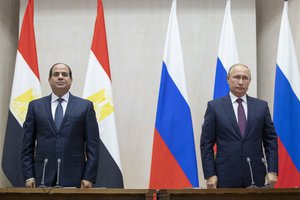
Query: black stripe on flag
[[109, 174], [11, 159]]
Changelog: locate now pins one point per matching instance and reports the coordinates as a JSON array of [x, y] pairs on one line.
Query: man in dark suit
[[61, 134], [242, 129]]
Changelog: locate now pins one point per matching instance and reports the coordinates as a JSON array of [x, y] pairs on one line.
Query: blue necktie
[[242, 121], [59, 114]]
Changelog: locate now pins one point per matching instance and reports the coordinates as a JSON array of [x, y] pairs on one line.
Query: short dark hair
[[70, 71]]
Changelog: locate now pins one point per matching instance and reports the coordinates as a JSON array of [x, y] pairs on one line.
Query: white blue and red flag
[[287, 106], [174, 163], [227, 54]]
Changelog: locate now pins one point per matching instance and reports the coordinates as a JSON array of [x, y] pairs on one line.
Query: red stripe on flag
[[99, 44], [288, 175], [27, 46], [165, 170]]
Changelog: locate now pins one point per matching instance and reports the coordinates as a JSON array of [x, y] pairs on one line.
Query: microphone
[[43, 175], [251, 174], [268, 185], [57, 175]]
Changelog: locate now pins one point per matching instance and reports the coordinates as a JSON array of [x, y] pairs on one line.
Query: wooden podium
[[148, 194], [75, 194], [230, 194]]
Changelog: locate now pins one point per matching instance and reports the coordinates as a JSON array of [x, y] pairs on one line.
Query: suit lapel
[[251, 112], [49, 113], [69, 109], [227, 105], [67, 113]]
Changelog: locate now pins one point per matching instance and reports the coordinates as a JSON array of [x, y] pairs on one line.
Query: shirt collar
[[65, 97], [234, 98]]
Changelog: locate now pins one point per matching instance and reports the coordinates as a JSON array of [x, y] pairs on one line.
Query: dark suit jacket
[[76, 143], [230, 165]]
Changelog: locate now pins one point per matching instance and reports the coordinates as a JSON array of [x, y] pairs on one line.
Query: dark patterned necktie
[[59, 114], [242, 121]]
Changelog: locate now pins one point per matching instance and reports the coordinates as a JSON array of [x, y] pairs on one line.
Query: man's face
[[239, 80], [60, 80]]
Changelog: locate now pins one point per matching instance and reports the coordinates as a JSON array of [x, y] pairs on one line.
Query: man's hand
[[211, 182], [271, 178], [30, 183], [86, 184]]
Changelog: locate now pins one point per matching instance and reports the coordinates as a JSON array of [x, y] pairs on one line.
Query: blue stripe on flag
[[221, 86], [173, 122], [286, 116]]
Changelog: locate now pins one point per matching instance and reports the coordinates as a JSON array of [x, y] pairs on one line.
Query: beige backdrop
[[136, 31]]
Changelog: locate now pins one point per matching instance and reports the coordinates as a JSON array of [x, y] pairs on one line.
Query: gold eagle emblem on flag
[[102, 104]]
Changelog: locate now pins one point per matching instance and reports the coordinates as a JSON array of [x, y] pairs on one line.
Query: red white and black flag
[[26, 87], [98, 89]]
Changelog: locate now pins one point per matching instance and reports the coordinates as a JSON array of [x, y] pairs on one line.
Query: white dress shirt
[[235, 104], [54, 103]]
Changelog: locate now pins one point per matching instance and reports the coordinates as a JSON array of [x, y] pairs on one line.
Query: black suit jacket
[[76, 143], [230, 165]]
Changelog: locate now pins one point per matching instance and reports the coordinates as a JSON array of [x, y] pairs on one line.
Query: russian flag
[[26, 87], [227, 54], [174, 163], [98, 89], [287, 106]]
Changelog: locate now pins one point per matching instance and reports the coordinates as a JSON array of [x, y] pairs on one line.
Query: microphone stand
[[268, 185], [57, 176], [251, 174], [43, 175]]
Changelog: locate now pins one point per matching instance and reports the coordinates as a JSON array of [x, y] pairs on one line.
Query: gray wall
[[136, 31]]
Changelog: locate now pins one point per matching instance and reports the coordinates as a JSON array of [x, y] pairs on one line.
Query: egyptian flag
[[174, 163], [227, 54], [26, 87], [97, 88], [287, 107]]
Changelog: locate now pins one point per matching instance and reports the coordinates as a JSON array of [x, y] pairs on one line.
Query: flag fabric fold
[[287, 106], [26, 87], [174, 163], [98, 89], [227, 54]]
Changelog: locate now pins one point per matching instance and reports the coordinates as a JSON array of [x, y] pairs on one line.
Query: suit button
[[57, 136]]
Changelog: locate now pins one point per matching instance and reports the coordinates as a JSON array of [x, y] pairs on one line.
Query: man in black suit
[[60, 133], [242, 129]]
